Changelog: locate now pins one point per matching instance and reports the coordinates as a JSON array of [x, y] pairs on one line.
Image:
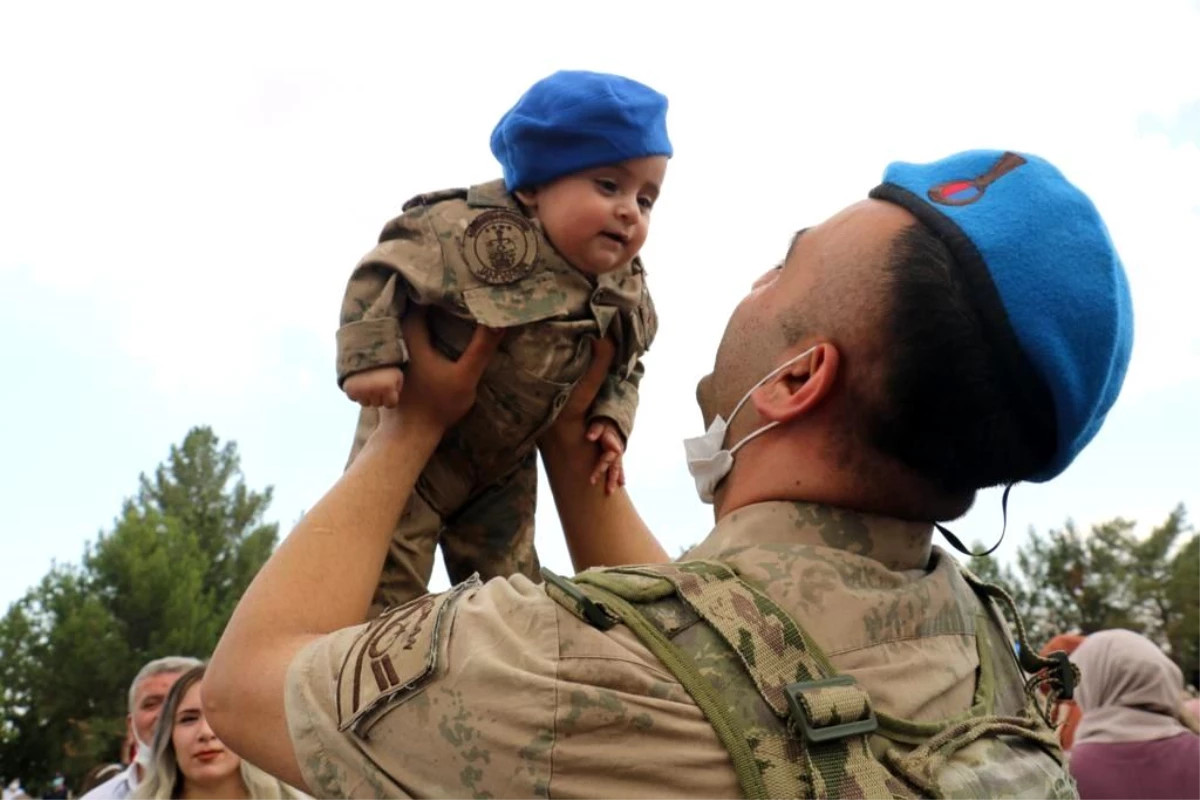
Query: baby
[[550, 253]]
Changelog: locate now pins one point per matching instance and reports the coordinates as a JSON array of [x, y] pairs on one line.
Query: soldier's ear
[[799, 388], [528, 198]]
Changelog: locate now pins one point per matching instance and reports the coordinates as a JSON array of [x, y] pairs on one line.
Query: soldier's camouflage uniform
[[507, 690], [472, 255]]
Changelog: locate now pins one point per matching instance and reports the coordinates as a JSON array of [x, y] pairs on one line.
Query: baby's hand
[[612, 446], [375, 387]]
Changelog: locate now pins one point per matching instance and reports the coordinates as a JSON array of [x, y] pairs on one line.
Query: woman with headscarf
[[1130, 742], [190, 762]]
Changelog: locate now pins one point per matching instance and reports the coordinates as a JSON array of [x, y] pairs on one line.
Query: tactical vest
[[792, 725]]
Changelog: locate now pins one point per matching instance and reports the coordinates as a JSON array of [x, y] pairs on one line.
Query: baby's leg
[[409, 562], [493, 533]]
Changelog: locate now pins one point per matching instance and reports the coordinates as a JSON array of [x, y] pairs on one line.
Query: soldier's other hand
[[438, 389], [568, 427], [609, 464], [375, 388], [585, 391]]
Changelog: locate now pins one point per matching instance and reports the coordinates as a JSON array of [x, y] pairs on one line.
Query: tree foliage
[[162, 581], [1067, 581]]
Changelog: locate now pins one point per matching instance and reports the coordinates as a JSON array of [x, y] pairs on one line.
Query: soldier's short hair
[[160, 666], [947, 407]]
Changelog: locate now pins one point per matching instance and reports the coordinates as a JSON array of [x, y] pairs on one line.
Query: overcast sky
[[184, 189]]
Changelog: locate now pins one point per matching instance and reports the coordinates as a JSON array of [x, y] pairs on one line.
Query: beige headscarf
[[1129, 691]]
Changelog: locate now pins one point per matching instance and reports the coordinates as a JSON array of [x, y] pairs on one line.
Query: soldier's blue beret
[[572, 120], [1041, 268]]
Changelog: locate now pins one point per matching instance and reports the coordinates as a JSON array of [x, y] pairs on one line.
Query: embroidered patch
[[500, 247], [963, 192], [393, 657]]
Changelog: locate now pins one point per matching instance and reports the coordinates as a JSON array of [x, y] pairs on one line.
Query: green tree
[[163, 581], [201, 489], [1149, 570], [59, 647], [1077, 582], [1183, 630], [1069, 581]]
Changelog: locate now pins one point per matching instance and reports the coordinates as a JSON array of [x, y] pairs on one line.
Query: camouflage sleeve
[[617, 399], [450, 695], [407, 258]]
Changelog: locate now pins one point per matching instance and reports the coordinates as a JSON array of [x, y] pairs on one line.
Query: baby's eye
[[606, 185], [646, 203]]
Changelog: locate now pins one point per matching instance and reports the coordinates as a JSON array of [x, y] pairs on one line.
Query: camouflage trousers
[[491, 533]]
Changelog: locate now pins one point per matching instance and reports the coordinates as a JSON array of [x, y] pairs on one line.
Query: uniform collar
[[492, 195], [895, 543]]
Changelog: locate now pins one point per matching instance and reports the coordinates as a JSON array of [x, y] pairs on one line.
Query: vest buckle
[[830, 708]]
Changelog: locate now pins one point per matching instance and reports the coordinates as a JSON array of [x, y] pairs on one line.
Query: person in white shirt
[[146, 695], [13, 791]]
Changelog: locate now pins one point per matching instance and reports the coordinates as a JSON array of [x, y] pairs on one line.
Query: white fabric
[[118, 787]]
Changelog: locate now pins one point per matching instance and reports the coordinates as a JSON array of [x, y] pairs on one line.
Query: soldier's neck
[[896, 543]]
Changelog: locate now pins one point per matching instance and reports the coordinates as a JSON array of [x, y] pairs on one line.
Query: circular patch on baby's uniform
[[500, 247]]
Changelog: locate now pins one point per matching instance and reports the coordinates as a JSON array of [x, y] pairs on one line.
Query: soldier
[[551, 252], [969, 325]]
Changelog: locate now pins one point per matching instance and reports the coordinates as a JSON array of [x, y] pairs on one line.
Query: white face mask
[[707, 459], [144, 757]]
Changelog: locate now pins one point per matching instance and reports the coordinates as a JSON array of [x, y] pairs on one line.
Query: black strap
[[592, 613], [958, 545]]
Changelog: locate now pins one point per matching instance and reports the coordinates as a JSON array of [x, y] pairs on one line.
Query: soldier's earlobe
[[528, 197]]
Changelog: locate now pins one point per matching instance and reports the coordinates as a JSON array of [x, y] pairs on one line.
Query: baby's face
[[598, 218]]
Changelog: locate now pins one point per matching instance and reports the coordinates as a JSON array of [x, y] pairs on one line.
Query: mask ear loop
[[755, 388], [754, 435], [958, 545]]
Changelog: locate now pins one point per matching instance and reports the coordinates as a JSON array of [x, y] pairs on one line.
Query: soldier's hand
[[568, 427], [585, 391], [609, 464], [375, 388], [438, 389]]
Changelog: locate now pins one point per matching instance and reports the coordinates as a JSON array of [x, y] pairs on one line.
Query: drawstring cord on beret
[[958, 545]]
